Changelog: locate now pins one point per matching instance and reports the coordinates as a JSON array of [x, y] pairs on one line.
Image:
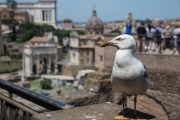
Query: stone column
[[37, 62], [55, 64], [31, 64], [24, 81], [23, 78], [49, 64]]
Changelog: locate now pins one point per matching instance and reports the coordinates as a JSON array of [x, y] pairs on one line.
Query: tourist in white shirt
[[149, 37], [176, 36]]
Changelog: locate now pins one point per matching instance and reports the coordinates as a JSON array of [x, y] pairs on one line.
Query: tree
[[27, 25], [28, 35], [66, 33], [116, 31], [45, 28], [11, 23], [46, 83]]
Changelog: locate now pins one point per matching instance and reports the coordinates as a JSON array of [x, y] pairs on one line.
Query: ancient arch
[[52, 67], [34, 69], [43, 66]]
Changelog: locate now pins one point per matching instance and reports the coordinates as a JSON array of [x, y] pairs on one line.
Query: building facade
[[94, 25], [40, 56], [82, 47], [43, 11]]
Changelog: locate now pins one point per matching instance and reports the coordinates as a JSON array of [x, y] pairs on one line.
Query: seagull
[[129, 75]]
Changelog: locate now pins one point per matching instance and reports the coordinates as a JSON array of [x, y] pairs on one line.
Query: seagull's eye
[[119, 39]]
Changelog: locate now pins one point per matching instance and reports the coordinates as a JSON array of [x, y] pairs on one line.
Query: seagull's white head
[[121, 42]]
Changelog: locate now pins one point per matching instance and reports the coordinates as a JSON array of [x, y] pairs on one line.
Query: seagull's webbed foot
[[135, 101]]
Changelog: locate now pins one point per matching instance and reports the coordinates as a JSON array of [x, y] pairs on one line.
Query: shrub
[[46, 83]]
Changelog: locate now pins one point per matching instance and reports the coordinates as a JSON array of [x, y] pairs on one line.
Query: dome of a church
[[94, 26]]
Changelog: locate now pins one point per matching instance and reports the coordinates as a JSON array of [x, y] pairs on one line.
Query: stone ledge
[[104, 111]]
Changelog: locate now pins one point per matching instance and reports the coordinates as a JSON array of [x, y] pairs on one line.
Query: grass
[[8, 67], [35, 85], [67, 88], [65, 54]]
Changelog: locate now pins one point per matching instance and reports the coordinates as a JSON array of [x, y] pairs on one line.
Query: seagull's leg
[[123, 102], [135, 101]]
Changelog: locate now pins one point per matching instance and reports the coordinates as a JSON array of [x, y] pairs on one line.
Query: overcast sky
[[110, 10]]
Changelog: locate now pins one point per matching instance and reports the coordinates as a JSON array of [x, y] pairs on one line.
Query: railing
[[13, 110]]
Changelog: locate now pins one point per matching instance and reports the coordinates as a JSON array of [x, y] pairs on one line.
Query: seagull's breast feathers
[[129, 74]]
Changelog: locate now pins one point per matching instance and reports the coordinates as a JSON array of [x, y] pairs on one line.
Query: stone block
[[25, 84]]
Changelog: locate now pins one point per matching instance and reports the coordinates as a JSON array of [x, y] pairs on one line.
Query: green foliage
[[96, 69], [116, 31], [46, 83], [28, 25], [14, 57], [66, 33], [80, 32], [8, 67], [35, 85], [32, 30], [46, 27], [13, 36], [147, 21], [12, 23], [28, 35], [62, 33]]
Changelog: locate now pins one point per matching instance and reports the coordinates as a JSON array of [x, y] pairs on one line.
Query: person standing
[[158, 35], [141, 31], [128, 26], [176, 37], [149, 37], [167, 35]]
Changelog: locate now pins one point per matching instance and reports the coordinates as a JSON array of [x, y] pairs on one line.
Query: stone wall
[[161, 62], [165, 81], [164, 90], [163, 72], [73, 69]]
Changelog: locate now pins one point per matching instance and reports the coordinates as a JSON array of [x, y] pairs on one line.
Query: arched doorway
[[34, 69], [52, 67], [43, 66]]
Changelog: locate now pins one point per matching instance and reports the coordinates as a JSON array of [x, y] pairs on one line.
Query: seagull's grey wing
[[145, 73], [144, 67]]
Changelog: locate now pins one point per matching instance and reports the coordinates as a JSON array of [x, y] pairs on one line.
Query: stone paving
[[147, 105]]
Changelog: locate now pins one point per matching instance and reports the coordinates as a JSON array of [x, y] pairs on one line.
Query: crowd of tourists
[[157, 38]]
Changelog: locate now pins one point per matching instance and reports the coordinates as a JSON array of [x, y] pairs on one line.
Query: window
[[85, 42], [4, 15], [91, 32], [87, 52], [88, 60], [101, 58], [43, 15]]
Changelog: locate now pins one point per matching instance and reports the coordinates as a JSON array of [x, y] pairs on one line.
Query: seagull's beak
[[104, 44]]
